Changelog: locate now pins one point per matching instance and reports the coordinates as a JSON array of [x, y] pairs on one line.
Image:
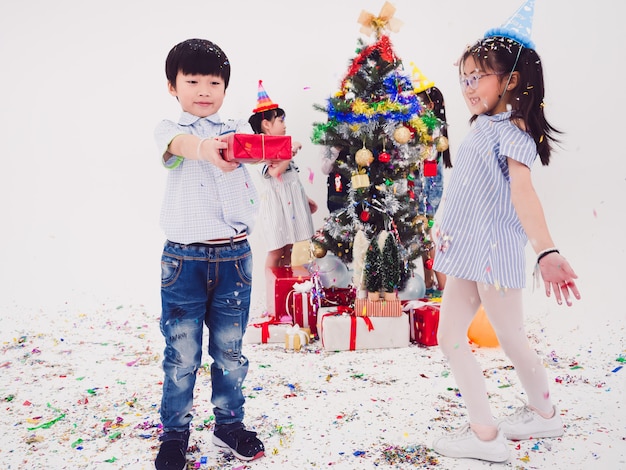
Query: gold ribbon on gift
[[376, 24]]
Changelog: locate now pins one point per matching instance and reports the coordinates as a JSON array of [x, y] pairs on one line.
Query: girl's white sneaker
[[525, 423], [464, 443]]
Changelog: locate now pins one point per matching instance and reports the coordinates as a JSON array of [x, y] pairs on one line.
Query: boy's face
[[200, 95]]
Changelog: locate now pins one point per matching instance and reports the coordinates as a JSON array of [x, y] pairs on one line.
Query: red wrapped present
[[334, 296], [255, 148], [424, 321], [340, 330], [280, 283], [430, 167], [301, 308], [378, 308]]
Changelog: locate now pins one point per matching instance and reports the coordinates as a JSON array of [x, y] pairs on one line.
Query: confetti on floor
[[81, 390]]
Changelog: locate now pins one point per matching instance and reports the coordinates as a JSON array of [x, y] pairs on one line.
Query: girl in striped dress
[[489, 212]]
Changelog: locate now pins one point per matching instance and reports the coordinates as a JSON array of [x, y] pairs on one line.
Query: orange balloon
[[481, 332]]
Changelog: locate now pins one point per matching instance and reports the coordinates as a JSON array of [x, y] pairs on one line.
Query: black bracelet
[[545, 253]]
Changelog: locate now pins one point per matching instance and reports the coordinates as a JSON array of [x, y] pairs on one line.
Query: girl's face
[[276, 126], [482, 89], [200, 95]]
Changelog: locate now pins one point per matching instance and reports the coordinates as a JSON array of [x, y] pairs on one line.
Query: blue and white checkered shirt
[[201, 201]]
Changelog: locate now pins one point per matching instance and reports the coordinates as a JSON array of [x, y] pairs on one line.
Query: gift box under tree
[[378, 308], [340, 329], [280, 284], [300, 306], [296, 338], [424, 321], [265, 332]]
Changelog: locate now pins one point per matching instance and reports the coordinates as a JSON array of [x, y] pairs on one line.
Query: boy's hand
[[211, 150]]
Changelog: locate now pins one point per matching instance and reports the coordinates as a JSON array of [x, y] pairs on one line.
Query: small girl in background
[[491, 211], [432, 186], [285, 213]]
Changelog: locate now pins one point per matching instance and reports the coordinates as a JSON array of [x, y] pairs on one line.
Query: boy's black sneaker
[[242, 443], [173, 451]]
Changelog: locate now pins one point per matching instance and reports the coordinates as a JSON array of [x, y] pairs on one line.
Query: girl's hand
[[295, 147], [312, 205], [558, 276]]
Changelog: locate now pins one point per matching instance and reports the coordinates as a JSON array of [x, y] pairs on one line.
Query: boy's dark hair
[[504, 56], [197, 56], [256, 119]]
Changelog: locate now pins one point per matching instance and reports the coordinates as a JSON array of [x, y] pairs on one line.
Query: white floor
[[81, 387]]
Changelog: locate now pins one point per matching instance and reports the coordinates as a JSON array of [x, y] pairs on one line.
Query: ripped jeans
[[204, 285]]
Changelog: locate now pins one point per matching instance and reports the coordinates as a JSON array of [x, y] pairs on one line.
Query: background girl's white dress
[[284, 216]]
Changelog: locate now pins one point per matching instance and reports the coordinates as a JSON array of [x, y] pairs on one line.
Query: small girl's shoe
[[526, 423], [433, 293], [465, 444]]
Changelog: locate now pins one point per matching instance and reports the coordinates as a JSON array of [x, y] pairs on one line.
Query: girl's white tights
[[504, 310]]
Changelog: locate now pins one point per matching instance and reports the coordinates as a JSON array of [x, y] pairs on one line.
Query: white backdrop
[[83, 87]]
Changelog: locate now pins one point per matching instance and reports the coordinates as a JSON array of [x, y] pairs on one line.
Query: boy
[[206, 266]]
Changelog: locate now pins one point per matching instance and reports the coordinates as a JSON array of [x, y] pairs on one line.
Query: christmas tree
[[373, 263], [392, 275], [383, 135]]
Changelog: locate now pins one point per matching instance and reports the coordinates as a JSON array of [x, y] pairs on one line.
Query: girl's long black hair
[[504, 56]]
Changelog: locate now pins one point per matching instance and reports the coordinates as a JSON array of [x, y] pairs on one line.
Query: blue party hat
[[518, 27]]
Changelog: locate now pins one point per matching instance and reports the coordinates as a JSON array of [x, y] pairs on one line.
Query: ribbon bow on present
[[303, 287], [417, 304], [295, 338], [384, 20]]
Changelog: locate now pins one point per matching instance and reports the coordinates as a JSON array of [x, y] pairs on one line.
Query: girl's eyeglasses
[[472, 80]]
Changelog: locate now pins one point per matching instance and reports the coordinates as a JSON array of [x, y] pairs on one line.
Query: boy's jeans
[[204, 284]]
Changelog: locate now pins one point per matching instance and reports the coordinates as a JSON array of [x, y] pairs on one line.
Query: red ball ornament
[[365, 215], [384, 157], [428, 264]]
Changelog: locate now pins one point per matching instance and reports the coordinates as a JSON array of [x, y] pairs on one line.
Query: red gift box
[[424, 320], [302, 310], [255, 148], [430, 167], [280, 284], [334, 296]]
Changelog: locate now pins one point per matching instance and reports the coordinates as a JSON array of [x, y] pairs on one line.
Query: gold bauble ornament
[[318, 250], [364, 157], [402, 135], [441, 143]]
